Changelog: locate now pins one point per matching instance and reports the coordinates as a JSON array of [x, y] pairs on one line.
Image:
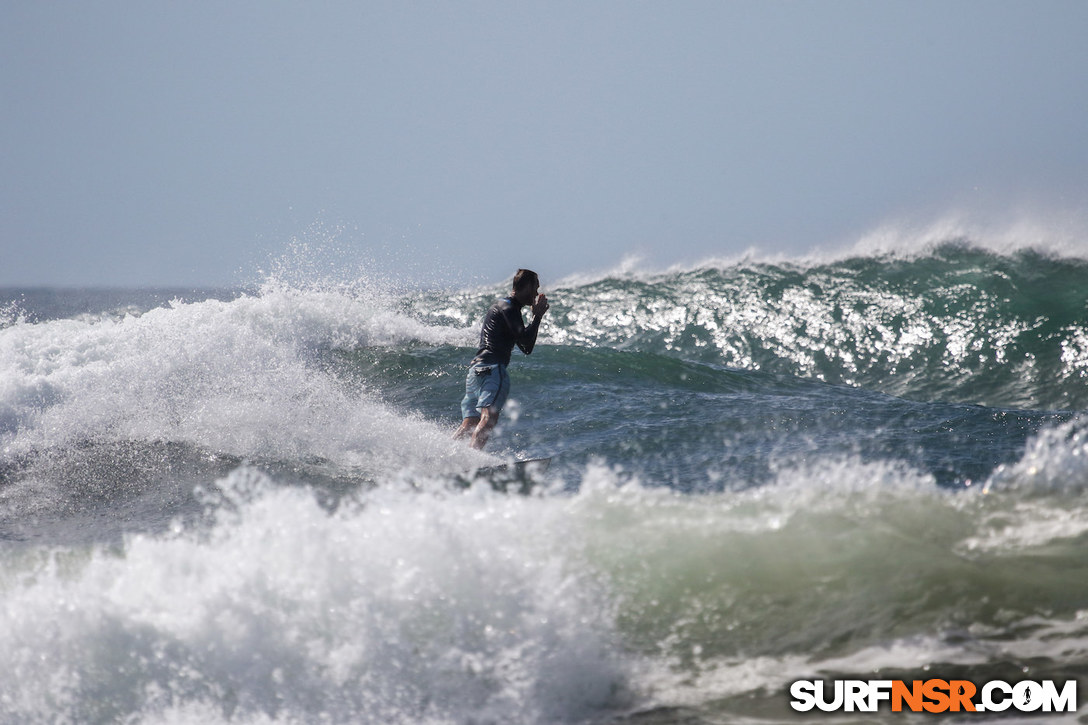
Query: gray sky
[[154, 143]]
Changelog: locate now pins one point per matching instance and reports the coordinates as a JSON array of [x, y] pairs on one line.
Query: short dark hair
[[524, 278]]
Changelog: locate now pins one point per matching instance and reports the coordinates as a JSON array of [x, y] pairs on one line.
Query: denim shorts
[[486, 386]]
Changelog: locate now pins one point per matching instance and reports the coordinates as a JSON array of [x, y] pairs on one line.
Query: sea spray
[[398, 607], [233, 376], [429, 603], [246, 507]]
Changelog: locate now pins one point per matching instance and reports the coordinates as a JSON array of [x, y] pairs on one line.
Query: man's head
[[526, 285]]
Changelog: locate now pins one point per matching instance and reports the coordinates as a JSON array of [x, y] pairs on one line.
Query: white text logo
[[933, 696]]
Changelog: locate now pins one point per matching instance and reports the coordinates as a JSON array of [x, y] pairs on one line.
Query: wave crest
[[957, 324]]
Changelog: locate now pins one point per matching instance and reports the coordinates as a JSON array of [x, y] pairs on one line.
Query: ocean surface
[[244, 506]]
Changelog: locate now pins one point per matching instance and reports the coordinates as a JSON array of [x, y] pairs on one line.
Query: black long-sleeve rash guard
[[502, 329]]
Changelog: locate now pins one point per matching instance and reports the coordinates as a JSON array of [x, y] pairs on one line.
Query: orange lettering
[[962, 691], [935, 691], [912, 696]]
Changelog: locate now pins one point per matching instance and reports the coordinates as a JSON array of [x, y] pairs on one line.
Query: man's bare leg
[[467, 426], [488, 419]]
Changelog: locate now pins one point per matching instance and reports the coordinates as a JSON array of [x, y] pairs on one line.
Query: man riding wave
[[487, 385]]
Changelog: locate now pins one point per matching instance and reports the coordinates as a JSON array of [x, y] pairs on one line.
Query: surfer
[[487, 384]]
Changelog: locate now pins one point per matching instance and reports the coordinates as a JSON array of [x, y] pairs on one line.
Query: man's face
[[529, 293]]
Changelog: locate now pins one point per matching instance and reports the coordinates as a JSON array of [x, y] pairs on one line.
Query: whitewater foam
[[228, 376], [424, 603], [400, 608], [324, 562]]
